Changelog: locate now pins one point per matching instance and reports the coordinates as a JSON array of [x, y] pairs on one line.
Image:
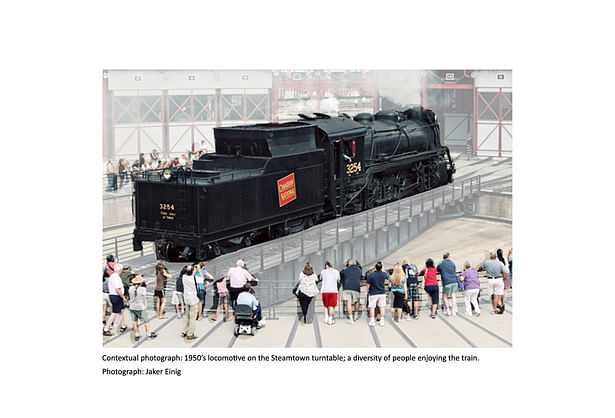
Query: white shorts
[[377, 300], [106, 300], [178, 298], [495, 286]]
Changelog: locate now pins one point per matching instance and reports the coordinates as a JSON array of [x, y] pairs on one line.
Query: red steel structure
[[491, 109]]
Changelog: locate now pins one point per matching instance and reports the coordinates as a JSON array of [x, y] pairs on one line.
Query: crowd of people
[[404, 284], [124, 172], [123, 290]]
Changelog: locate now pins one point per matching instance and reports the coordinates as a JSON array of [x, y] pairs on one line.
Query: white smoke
[[403, 87], [290, 110], [329, 105]]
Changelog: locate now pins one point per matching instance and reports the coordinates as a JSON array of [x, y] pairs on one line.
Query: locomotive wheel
[[432, 176], [216, 251], [245, 242], [202, 253], [171, 253], [404, 181], [420, 176], [435, 176], [161, 251], [276, 231], [374, 192], [391, 188], [308, 222]]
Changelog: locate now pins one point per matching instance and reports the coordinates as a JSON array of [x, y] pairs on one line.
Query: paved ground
[[464, 238]]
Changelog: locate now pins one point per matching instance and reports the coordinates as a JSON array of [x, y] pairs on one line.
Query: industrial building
[[175, 111]]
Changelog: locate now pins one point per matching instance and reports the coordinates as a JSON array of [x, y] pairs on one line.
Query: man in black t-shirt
[[376, 293], [352, 288]]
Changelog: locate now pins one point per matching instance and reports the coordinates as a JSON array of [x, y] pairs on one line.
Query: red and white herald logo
[[287, 191]]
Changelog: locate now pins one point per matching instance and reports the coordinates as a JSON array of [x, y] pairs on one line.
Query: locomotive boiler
[[268, 180]]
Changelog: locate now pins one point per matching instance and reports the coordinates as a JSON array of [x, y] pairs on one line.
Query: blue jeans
[[123, 176], [257, 313]]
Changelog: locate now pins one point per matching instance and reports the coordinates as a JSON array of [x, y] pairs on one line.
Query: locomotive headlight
[[166, 174]]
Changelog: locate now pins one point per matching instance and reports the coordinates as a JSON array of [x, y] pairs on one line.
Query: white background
[[53, 57]]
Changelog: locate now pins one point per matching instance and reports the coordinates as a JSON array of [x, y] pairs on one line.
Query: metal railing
[[121, 247], [282, 307], [185, 174]]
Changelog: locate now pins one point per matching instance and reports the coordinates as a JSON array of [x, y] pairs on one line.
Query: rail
[[180, 175], [282, 307], [121, 247], [287, 303]]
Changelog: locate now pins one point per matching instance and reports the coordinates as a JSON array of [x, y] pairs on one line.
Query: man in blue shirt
[[247, 298], [352, 288], [376, 294], [448, 274]]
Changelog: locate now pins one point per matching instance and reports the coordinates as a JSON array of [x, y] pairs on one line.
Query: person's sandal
[[123, 329], [107, 333], [137, 338]]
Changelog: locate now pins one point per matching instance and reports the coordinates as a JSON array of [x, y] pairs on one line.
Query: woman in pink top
[[431, 285]]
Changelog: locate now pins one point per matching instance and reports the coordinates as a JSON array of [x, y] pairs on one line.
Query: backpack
[[412, 272], [106, 274], [179, 284]]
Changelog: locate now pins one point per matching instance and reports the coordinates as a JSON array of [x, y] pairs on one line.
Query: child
[[222, 298], [137, 306]]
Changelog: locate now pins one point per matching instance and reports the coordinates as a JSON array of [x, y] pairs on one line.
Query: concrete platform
[[286, 330]]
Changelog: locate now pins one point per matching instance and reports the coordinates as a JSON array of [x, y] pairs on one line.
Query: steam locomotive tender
[[269, 180]]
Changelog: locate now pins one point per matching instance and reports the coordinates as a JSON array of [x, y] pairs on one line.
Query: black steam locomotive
[[269, 180]]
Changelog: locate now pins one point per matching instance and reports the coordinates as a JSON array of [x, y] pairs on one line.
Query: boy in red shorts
[[330, 283]]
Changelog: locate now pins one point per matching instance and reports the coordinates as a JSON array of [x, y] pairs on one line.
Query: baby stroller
[[245, 320]]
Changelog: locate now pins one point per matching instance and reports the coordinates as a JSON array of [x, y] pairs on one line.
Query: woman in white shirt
[[307, 289]]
